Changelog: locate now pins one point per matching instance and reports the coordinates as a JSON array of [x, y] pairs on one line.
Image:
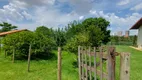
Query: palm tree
[[6, 27]]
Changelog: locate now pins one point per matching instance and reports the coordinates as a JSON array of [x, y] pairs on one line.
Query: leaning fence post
[[59, 63], [29, 58], [125, 66]]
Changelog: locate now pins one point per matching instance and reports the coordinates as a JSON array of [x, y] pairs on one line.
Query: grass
[[40, 70], [135, 62], [47, 69]]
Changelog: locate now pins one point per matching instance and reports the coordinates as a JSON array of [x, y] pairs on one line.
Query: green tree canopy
[[40, 40], [6, 27], [44, 39], [20, 41], [90, 32]]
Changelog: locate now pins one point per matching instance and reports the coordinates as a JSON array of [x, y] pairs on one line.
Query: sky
[[29, 14]]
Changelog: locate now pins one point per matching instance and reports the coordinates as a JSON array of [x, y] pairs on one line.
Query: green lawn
[[47, 69], [40, 70], [135, 63]]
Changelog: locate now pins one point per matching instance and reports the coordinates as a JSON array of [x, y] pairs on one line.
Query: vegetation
[[6, 27], [39, 69], [122, 40], [90, 32], [44, 41], [135, 60], [47, 69], [40, 40]]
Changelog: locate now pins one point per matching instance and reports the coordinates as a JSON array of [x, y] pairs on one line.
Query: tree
[[40, 40], [19, 41], [44, 30], [96, 35], [44, 40], [73, 29], [100, 23], [60, 37], [6, 27], [95, 29], [115, 40], [80, 39]]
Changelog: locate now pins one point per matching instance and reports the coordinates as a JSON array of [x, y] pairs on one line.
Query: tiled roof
[[10, 32], [137, 24]]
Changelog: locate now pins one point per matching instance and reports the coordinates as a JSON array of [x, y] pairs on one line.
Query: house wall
[[139, 43]]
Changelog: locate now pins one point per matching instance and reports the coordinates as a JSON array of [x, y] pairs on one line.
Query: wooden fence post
[[29, 58], [59, 63], [0, 46], [111, 63], [101, 63], [90, 63], [82, 63], [95, 64], [13, 58], [125, 66], [79, 62], [5, 53]]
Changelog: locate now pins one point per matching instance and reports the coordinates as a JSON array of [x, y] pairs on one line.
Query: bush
[[41, 44]]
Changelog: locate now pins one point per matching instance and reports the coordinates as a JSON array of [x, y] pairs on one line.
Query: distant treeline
[[122, 40]]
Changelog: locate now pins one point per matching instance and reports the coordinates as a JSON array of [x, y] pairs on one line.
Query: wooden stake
[[29, 58], [59, 63], [13, 59], [90, 63], [95, 67], [101, 64], [79, 62], [86, 64], [82, 63], [5, 53], [125, 66]]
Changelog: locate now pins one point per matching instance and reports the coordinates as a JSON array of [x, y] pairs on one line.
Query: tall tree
[[90, 32], [6, 27], [100, 23], [44, 39], [60, 37]]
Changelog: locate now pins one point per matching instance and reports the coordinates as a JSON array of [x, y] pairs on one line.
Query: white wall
[[139, 43]]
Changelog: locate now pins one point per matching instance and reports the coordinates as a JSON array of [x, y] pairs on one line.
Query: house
[[138, 26]]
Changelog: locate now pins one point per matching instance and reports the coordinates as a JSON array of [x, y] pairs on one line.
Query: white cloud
[[27, 15], [41, 14], [138, 7], [118, 23], [53, 18], [81, 17], [46, 12], [123, 2], [11, 12]]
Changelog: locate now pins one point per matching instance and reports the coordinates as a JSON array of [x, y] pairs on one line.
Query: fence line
[[87, 66]]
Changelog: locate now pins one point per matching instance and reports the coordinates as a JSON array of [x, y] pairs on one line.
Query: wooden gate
[[97, 63]]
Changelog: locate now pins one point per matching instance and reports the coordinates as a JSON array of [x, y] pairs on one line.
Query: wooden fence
[[99, 63]]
